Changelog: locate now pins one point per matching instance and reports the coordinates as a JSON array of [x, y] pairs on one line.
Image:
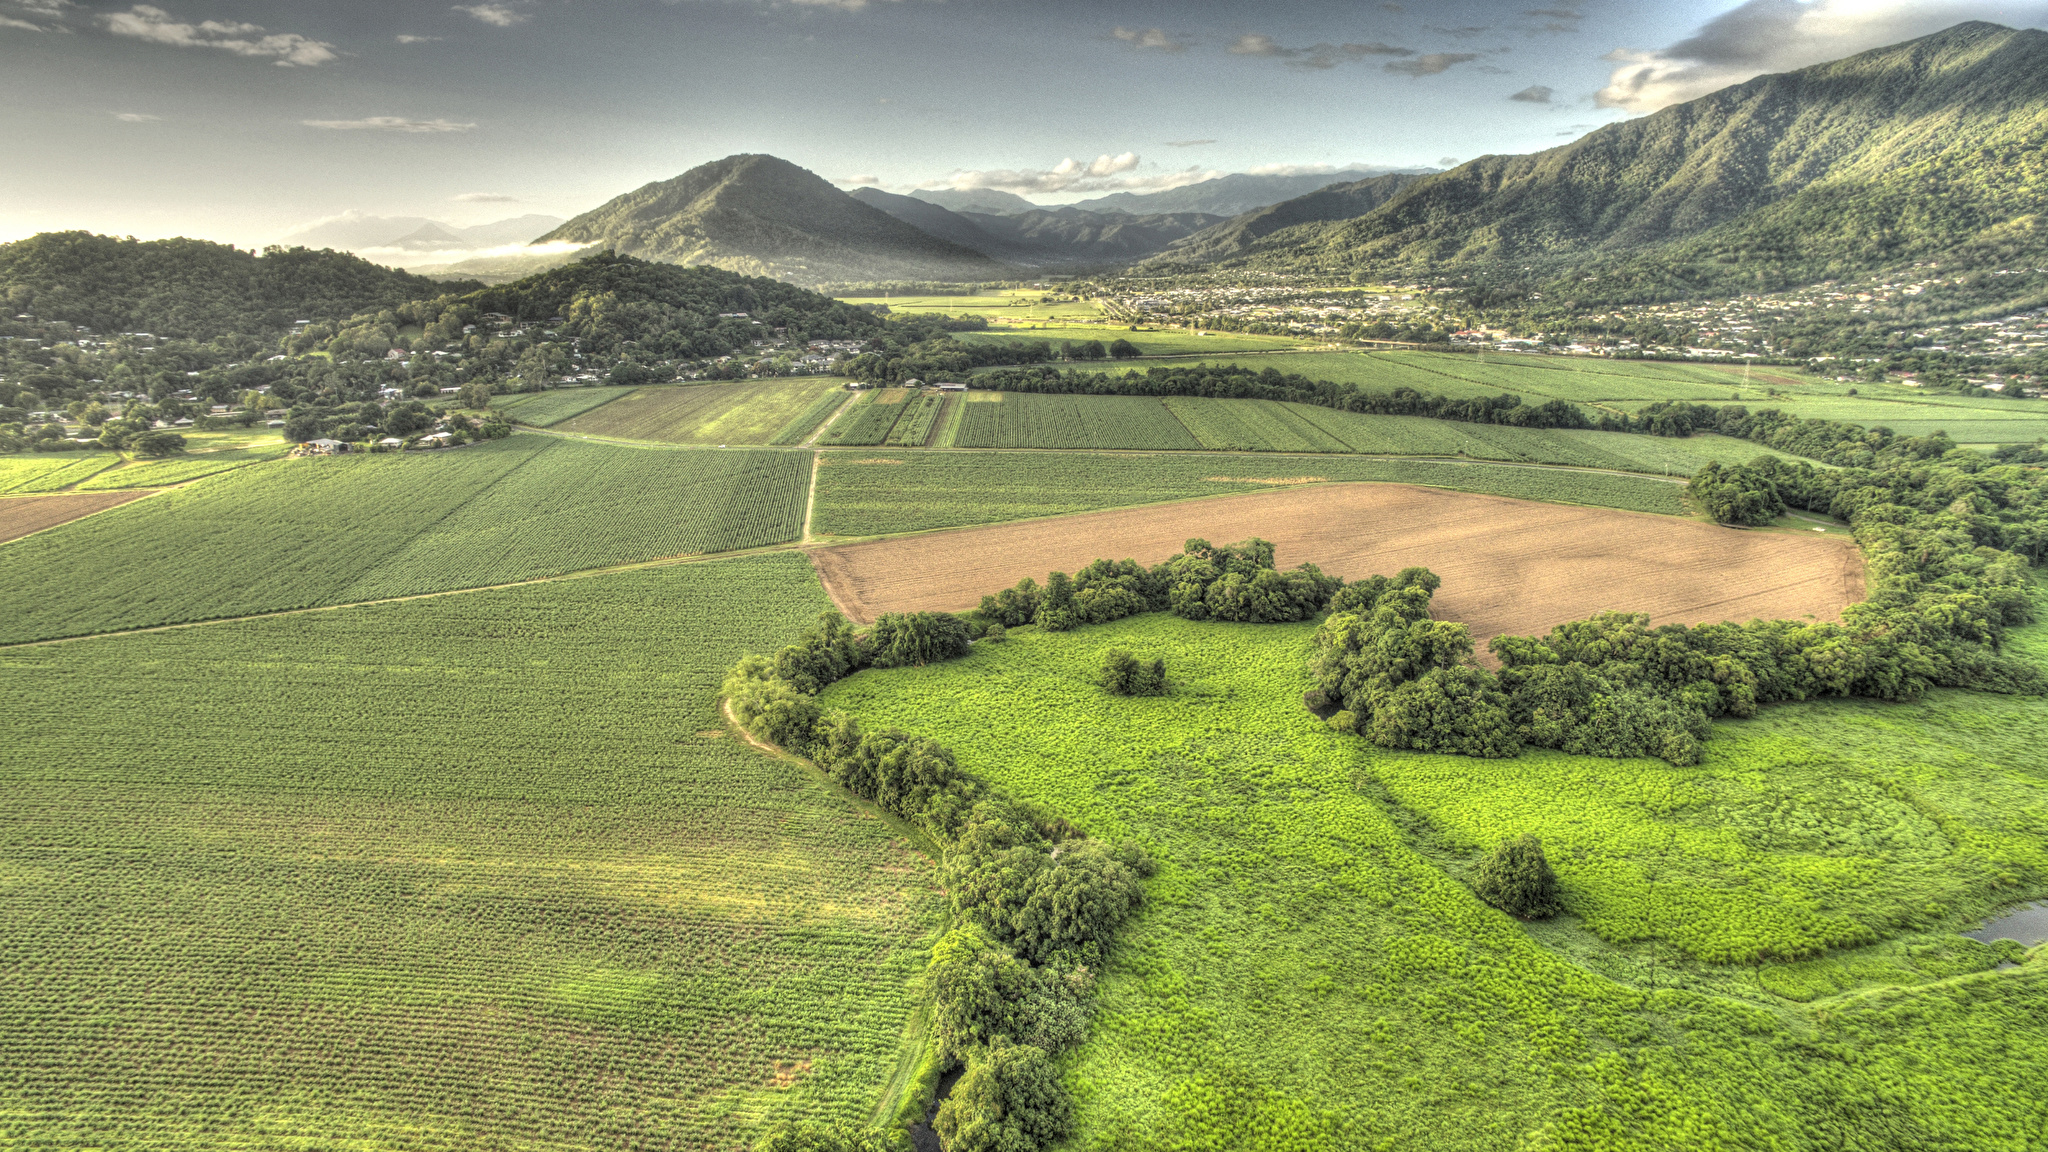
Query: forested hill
[[1931, 149], [194, 288], [767, 217]]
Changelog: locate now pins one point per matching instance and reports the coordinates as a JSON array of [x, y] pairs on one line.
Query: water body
[[2027, 924]]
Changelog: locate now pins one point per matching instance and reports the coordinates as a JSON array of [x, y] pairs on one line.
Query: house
[[450, 391], [433, 440], [951, 387], [391, 442], [325, 447], [275, 424]]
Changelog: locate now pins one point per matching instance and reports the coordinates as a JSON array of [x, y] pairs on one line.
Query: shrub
[[1516, 878], [1125, 675]]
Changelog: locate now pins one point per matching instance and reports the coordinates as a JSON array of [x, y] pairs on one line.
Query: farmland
[[298, 533], [546, 409], [51, 472], [21, 515], [1003, 307], [1310, 972], [467, 872], [182, 468], [1509, 566], [1150, 341], [1031, 420], [746, 412], [861, 495], [869, 419], [914, 426]]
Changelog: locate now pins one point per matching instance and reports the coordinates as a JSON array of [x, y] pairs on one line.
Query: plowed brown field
[[1509, 566], [21, 515]]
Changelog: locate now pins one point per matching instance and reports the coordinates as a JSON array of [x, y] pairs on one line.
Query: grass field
[[869, 419], [1150, 341], [1013, 306], [480, 871], [743, 412], [50, 471], [297, 533], [803, 424], [546, 409], [182, 468], [1033, 420], [863, 495], [1309, 972]]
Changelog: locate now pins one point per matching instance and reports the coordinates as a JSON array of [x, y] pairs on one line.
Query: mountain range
[[351, 231]]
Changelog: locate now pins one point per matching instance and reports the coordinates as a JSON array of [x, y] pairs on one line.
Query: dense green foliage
[[860, 496], [1125, 675], [193, 289], [1738, 495], [295, 533], [1303, 976], [472, 871], [1516, 878], [1237, 582]]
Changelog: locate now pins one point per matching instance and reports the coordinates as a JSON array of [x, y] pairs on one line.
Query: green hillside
[[768, 217], [1927, 149], [194, 288]]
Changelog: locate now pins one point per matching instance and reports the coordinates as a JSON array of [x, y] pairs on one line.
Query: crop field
[[1016, 306], [861, 495], [1150, 341], [913, 429], [480, 871], [1252, 426], [1310, 972], [746, 412], [51, 471], [1509, 566], [300, 533], [806, 422], [1035, 420], [546, 409], [183, 468], [22, 515], [870, 419], [1534, 378], [1971, 421]]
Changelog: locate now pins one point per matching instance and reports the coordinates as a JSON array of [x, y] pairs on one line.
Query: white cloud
[[1187, 143], [484, 198], [415, 257], [1301, 169], [11, 22], [1156, 39], [860, 181], [389, 124], [409, 38], [1464, 32], [1534, 94], [1105, 173], [153, 24], [1431, 64], [1316, 56], [135, 117], [52, 10], [1779, 35], [496, 15]]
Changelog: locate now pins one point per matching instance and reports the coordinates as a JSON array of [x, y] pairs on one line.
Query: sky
[[239, 121]]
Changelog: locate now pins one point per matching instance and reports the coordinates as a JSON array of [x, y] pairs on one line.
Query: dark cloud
[[1431, 64], [1466, 32], [1316, 56], [1155, 39], [1534, 94]]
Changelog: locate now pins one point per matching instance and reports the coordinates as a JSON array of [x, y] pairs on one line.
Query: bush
[[1125, 675], [1516, 878], [1010, 1100]]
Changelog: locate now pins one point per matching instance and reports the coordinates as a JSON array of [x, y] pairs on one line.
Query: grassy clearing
[[746, 412], [297, 533], [473, 872], [922, 491], [1012, 306], [546, 409], [1302, 977]]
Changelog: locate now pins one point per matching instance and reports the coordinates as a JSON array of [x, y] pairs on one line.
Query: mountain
[[1922, 150], [1336, 202], [1231, 195], [767, 217], [354, 230], [985, 200], [428, 237], [516, 230], [1071, 236], [194, 288], [932, 220]]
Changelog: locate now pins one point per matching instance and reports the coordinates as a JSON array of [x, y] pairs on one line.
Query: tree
[[1516, 878], [1122, 349], [159, 443], [1738, 494], [914, 639], [1125, 675], [1010, 1100]]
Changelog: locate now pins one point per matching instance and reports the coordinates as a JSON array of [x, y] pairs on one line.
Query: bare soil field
[[1509, 566], [21, 515]]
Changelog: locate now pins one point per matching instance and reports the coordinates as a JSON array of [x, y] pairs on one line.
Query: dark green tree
[[1010, 1100], [1516, 878]]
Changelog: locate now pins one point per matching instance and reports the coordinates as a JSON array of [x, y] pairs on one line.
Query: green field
[[297, 533], [546, 409], [1013, 306], [869, 419], [1310, 972], [1034, 420], [744, 412], [50, 471], [182, 468], [801, 426], [1150, 341], [481, 871], [859, 495]]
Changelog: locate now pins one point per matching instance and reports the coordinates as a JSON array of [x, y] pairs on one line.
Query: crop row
[[48, 472], [913, 429], [544, 409], [807, 421], [1033, 420], [869, 420], [179, 469], [323, 531]]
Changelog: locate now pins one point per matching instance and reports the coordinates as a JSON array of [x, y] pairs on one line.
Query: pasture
[[1509, 566], [300, 533], [482, 871], [742, 412], [546, 409], [1311, 972], [861, 494]]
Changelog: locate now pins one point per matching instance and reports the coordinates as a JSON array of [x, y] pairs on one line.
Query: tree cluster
[[1126, 675], [1738, 494], [1236, 583]]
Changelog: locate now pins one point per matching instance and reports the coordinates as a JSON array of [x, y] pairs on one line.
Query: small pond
[[2027, 924]]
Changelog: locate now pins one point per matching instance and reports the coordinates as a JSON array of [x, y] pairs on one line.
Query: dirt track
[[21, 515], [1509, 566]]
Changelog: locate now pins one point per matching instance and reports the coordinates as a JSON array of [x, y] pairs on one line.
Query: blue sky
[[235, 121]]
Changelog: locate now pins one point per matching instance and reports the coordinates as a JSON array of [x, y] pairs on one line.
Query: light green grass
[[546, 409], [296, 533], [1035, 420], [50, 471], [1150, 341], [1301, 977], [745, 412], [183, 468], [859, 495], [1012, 306], [480, 871]]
